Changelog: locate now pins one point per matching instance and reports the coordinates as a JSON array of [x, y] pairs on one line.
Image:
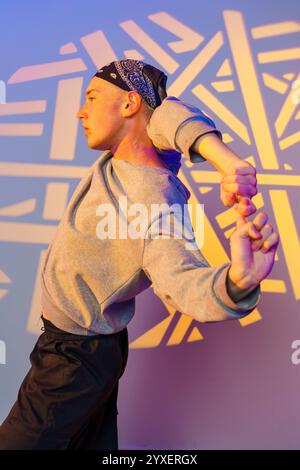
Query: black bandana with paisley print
[[130, 74]]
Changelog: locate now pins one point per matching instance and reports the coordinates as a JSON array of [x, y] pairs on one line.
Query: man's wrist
[[235, 292], [215, 151]]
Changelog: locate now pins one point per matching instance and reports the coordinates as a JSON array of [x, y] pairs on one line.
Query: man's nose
[[81, 113]]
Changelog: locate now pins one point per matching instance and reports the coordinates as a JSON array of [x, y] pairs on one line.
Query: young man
[[68, 400]]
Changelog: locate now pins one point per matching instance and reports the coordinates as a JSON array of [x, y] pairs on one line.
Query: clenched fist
[[253, 245], [238, 186]]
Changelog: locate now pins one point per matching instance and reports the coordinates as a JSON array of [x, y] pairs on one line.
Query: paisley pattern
[[131, 75]]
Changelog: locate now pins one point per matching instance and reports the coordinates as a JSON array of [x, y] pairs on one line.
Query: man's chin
[[94, 146]]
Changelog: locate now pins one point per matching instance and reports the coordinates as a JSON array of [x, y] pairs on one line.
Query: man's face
[[101, 114]]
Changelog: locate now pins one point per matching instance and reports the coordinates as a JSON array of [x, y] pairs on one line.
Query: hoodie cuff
[[235, 309], [189, 131]]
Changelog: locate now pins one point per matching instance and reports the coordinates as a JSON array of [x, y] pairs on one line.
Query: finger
[[244, 203], [245, 210], [266, 231], [228, 199], [247, 229], [260, 220], [271, 243], [244, 200], [246, 169], [241, 226], [240, 189]]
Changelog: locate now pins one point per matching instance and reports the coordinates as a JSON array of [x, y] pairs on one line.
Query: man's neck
[[138, 151]]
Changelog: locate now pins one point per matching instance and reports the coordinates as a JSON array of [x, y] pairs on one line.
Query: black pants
[[68, 399]]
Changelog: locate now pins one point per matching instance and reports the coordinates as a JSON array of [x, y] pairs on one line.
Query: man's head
[[120, 99]]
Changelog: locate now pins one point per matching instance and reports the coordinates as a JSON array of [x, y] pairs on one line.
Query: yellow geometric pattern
[[268, 142]]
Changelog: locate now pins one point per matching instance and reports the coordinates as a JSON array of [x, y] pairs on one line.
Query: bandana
[[131, 74]]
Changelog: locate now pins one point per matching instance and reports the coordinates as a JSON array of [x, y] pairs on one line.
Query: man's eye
[[91, 98]]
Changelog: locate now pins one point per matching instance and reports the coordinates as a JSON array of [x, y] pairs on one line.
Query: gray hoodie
[[89, 281]]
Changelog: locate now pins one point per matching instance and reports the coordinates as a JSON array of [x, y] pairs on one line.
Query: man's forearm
[[215, 151]]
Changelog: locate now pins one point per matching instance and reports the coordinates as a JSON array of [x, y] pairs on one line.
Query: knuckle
[[264, 216]]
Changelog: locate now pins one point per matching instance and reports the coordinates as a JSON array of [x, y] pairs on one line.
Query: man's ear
[[132, 104]]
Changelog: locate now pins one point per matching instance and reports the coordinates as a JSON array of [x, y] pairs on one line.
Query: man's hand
[[253, 246], [238, 183], [238, 186]]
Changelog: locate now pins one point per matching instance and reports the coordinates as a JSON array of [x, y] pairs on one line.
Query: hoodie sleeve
[[181, 277], [176, 125]]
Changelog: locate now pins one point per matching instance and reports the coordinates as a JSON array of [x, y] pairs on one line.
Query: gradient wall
[[188, 385]]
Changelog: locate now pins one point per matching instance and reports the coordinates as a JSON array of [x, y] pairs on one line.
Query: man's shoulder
[[159, 188]]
